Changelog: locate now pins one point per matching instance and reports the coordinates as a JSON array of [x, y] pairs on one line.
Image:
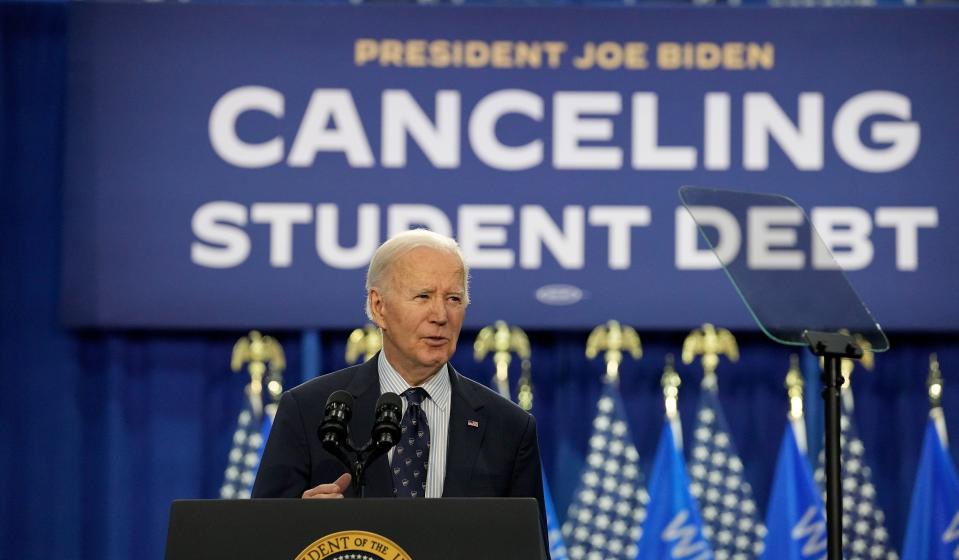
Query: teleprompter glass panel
[[784, 273]]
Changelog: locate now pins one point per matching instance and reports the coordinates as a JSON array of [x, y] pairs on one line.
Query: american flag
[[252, 430], [863, 534], [730, 517], [604, 521]]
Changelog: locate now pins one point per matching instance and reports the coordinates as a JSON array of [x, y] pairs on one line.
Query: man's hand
[[332, 490]]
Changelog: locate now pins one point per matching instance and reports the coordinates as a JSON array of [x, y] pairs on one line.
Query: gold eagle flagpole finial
[[502, 339], [614, 339], [365, 342], [264, 359], [710, 343]]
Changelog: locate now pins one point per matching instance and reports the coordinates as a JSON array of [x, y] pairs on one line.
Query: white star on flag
[[864, 536], [605, 518], [249, 439], [718, 483]]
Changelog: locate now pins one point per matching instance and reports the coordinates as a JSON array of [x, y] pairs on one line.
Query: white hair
[[378, 274]]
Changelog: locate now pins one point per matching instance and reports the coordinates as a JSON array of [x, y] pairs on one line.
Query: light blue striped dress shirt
[[437, 409]]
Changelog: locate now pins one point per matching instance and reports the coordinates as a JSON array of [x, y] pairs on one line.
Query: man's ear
[[377, 307]]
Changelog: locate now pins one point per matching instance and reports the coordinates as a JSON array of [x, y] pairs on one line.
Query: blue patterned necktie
[[412, 453]]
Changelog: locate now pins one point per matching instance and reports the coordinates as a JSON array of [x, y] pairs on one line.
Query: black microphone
[[386, 424], [335, 437], [334, 431], [384, 435]]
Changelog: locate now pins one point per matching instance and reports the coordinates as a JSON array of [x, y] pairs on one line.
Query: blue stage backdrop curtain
[[101, 430]]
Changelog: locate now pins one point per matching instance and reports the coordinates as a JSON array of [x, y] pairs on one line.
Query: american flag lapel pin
[[472, 423]]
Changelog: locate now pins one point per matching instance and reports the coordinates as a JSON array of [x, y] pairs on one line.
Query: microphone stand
[[357, 460], [372, 451], [361, 460]]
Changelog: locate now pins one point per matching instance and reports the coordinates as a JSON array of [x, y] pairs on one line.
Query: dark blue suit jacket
[[498, 457]]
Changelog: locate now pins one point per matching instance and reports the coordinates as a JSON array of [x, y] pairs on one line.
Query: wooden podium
[[350, 529]]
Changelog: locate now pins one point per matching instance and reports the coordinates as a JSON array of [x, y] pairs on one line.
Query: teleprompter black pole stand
[[833, 347]]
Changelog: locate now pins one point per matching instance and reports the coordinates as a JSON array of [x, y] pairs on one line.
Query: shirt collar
[[438, 385]]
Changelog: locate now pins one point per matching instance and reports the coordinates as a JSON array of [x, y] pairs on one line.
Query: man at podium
[[460, 439]]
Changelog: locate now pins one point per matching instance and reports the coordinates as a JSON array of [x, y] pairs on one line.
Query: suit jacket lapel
[[467, 428], [365, 388]]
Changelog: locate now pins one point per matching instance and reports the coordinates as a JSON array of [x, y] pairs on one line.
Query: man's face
[[422, 311]]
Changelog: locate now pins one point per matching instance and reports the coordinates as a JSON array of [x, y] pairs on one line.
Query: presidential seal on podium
[[353, 545]]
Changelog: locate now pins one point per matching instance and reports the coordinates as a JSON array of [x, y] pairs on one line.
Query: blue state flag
[[795, 518], [557, 546], [252, 430], [933, 529], [673, 528]]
